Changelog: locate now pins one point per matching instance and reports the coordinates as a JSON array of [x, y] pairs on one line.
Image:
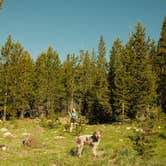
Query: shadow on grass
[[162, 135], [73, 152]]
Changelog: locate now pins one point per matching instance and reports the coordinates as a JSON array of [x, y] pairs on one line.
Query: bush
[[80, 126], [49, 123], [144, 143], [154, 113]]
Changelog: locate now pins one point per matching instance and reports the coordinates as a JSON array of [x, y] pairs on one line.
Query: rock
[[128, 128], [8, 134], [26, 134], [3, 147], [3, 129], [59, 137], [30, 141]]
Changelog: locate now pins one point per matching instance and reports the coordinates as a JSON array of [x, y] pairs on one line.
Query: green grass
[[115, 149]]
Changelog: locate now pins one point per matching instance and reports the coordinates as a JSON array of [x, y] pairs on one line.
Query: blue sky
[[73, 25]]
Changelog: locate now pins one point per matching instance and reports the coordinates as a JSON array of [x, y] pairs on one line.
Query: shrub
[[81, 123], [144, 143], [49, 123]]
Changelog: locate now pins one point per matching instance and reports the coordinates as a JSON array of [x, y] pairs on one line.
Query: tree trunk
[[72, 101], [123, 113], [48, 107], [5, 107], [4, 112], [22, 114]]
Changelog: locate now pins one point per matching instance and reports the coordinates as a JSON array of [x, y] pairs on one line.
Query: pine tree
[[161, 66], [14, 78], [40, 84], [141, 78], [49, 87], [69, 81], [85, 82], [1, 88], [1, 4], [57, 86], [118, 79], [101, 110], [153, 53], [26, 83], [5, 84]]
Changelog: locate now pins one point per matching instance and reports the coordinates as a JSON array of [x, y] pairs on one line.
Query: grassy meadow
[[55, 146]]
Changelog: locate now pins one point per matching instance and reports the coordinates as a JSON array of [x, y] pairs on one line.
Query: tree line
[[129, 85]]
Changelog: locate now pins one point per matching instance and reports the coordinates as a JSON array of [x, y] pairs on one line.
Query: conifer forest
[[130, 83]]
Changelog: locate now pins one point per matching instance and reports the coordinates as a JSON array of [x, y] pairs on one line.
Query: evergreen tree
[[56, 84], [69, 81], [85, 82], [6, 52], [101, 110], [161, 66], [1, 4], [49, 88], [25, 84], [14, 78], [1, 89], [118, 79], [141, 85], [40, 83], [153, 57]]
